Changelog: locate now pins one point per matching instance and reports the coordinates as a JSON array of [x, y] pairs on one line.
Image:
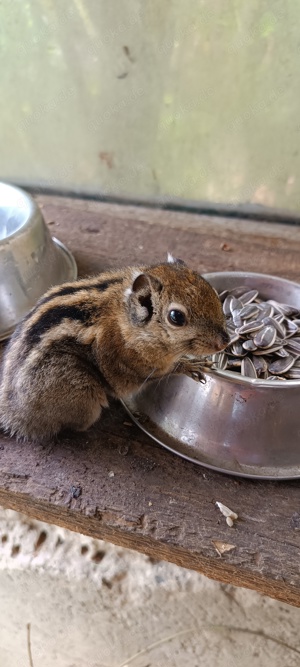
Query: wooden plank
[[114, 482], [107, 235]]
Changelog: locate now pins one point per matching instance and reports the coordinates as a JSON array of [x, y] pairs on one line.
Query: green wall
[[195, 99]]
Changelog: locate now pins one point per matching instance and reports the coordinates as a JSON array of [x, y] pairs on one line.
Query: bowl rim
[[32, 210], [230, 375]]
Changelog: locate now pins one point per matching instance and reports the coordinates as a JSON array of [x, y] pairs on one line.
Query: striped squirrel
[[105, 336]]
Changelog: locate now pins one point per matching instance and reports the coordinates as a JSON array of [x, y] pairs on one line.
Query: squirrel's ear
[[146, 283], [174, 260], [141, 296]]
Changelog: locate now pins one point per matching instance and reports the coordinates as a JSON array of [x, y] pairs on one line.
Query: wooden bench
[[116, 484]]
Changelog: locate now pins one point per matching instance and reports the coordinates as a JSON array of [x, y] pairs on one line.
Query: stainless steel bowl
[[30, 260], [232, 424]]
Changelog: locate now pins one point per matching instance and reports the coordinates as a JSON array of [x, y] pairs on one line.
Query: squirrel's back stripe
[[54, 316], [49, 312], [79, 287]]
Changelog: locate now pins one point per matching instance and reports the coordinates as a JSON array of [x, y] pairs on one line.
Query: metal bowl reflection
[[31, 261], [232, 424]]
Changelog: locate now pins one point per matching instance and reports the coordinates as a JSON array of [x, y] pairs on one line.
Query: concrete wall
[[90, 604]]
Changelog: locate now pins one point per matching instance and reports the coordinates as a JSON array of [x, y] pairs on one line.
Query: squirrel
[[105, 336]]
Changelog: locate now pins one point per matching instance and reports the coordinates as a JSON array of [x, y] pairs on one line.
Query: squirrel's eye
[[177, 317]]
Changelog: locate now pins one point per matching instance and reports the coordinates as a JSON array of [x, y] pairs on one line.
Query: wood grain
[[114, 482]]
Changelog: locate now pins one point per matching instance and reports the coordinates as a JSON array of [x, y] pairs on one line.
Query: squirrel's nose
[[221, 340]]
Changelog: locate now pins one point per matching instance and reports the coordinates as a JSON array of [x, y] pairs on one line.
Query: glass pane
[[198, 100]]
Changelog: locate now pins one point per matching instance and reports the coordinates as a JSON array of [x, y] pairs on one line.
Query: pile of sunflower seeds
[[264, 336]]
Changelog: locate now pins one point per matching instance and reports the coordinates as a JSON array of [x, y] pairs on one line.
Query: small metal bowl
[[31, 260], [232, 424]]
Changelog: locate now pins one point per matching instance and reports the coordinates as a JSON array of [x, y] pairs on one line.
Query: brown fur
[[102, 336]]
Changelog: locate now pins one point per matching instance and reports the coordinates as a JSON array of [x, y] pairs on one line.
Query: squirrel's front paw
[[197, 376], [193, 368]]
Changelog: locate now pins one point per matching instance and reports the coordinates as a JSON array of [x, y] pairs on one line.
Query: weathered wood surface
[[114, 482]]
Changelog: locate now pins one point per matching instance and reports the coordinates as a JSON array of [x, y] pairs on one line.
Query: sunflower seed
[[293, 353], [248, 311], [293, 374], [226, 305], [281, 366], [249, 296], [265, 337], [234, 338], [283, 308], [223, 295], [291, 328], [237, 349], [237, 291], [282, 352], [267, 350], [260, 365], [236, 318], [234, 363], [247, 368], [249, 327], [293, 344], [222, 361], [280, 328], [230, 328], [288, 310], [265, 310], [249, 345], [235, 304]]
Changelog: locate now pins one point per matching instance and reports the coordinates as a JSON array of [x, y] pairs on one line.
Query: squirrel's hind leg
[[61, 393]]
